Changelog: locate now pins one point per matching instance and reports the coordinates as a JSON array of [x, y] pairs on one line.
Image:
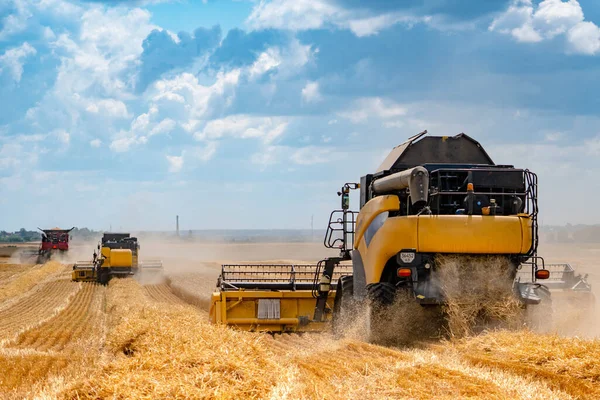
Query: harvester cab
[[117, 256], [431, 198]]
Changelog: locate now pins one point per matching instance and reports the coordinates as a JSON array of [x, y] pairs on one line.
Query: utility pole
[[177, 225]]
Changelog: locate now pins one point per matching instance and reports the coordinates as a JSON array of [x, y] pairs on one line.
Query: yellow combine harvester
[[118, 257], [432, 196]]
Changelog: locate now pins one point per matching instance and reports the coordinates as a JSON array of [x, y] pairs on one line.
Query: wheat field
[[66, 340]]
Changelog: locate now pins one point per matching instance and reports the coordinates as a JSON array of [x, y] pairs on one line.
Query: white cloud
[[185, 94], [310, 92], [124, 142], [284, 62], [294, 15], [15, 22], [585, 38], [244, 127], [266, 61], [203, 153], [308, 155], [63, 136], [96, 143], [164, 126], [13, 59], [108, 107], [175, 163], [373, 25], [315, 14], [368, 107], [551, 18], [311, 155]]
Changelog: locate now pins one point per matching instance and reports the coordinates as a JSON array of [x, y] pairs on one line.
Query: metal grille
[[273, 276], [562, 276]]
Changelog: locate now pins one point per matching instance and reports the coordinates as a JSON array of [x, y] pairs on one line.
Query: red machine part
[[55, 239]]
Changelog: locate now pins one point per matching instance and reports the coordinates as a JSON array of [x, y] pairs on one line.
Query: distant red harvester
[[53, 240]]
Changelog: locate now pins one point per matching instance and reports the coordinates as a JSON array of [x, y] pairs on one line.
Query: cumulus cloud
[[202, 153], [310, 92], [294, 15], [124, 141], [316, 14], [244, 127], [185, 93], [16, 21], [164, 51], [96, 143], [368, 107], [527, 22], [308, 155], [14, 58], [175, 163], [63, 136], [108, 107]]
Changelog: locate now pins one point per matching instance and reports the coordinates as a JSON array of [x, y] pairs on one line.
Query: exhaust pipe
[[415, 179]]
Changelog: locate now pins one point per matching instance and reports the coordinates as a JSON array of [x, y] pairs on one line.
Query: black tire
[[381, 298], [103, 276], [381, 294], [344, 306]]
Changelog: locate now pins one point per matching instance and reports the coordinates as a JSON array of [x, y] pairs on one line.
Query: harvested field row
[[569, 365], [22, 370], [326, 368], [167, 350], [11, 271], [78, 326], [30, 279], [162, 293], [33, 310]]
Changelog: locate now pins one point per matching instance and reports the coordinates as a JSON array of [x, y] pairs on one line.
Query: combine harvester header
[[432, 197], [265, 297]]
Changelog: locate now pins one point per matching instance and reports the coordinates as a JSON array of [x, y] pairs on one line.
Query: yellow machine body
[[83, 274], [445, 234], [242, 310], [118, 258]]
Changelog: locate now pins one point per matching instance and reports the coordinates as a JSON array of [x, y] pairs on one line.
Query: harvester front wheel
[[103, 277]]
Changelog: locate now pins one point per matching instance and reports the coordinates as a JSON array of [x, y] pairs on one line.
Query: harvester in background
[[55, 241], [432, 197], [117, 256]]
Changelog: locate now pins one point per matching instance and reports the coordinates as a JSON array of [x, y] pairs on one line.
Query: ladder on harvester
[[339, 235]]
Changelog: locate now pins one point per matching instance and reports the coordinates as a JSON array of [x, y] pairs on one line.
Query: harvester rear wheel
[[381, 294], [381, 298], [344, 306]]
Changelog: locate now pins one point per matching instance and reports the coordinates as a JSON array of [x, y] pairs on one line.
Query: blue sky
[[251, 114]]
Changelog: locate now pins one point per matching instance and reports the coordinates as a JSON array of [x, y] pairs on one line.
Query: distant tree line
[[20, 236], [23, 235]]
